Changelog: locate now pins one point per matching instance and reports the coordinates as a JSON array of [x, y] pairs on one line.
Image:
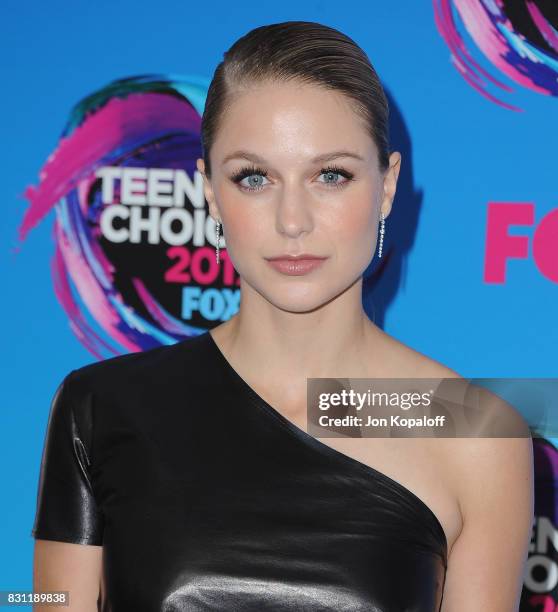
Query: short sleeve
[[66, 509]]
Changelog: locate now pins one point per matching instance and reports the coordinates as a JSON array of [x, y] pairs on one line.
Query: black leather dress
[[206, 498]]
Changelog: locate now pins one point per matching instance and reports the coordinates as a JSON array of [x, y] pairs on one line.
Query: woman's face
[[274, 197]]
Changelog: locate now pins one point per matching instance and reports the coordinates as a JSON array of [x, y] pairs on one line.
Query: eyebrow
[[325, 157]]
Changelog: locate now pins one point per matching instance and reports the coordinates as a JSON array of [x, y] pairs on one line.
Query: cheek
[[242, 225], [355, 220]]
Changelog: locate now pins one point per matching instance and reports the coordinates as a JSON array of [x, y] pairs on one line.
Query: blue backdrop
[[461, 151]]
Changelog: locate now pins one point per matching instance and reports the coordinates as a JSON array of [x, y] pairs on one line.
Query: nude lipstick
[[295, 265]]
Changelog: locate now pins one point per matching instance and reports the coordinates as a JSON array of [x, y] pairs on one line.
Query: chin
[[300, 300]]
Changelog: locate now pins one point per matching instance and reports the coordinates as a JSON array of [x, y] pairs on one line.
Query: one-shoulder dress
[[206, 498]]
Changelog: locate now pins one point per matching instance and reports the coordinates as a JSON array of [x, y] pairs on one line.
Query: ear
[[208, 191], [390, 182]]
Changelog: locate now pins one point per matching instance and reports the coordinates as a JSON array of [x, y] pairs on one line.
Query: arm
[[496, 495], [68, 526], [62, 566]]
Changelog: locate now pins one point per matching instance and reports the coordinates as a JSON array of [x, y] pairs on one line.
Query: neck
[[334, 340]]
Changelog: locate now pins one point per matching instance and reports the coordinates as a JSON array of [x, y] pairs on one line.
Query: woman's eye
[[250, 178], [252, 182], [332, 177]]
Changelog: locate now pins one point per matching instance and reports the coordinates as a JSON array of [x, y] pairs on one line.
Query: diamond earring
[[217, 228], [382, 232]]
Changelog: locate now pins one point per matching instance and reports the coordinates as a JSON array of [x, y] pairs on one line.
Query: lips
[[296, 265], [302, 256]]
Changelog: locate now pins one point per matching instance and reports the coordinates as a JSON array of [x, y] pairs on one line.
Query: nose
[[293, 214]]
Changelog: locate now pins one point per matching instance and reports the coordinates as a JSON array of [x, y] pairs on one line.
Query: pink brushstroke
[[90, 291], [545, 28], [120, 120], [457, 46], [491, 42], [78, 324], [164, 319]]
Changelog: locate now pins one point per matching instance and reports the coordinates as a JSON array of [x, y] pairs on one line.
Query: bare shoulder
[[405, 361], [486, 476]]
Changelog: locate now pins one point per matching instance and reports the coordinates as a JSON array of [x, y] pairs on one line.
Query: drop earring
[[382, 232], [217, 228]]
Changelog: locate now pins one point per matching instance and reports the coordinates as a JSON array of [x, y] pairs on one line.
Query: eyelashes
[[246, 171]]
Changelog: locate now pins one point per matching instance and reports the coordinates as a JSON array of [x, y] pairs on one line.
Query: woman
[[183, 478]]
